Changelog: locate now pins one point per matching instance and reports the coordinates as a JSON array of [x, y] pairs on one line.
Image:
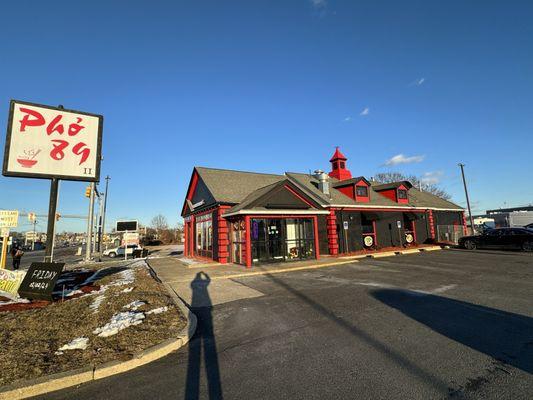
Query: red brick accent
[[223, 236], [331, 228]]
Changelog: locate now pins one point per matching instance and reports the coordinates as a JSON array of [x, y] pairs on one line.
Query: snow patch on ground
[[118, 322], [157, 310], [134, 305], [80, 343], [13, 299], [127, 290], [95, 305]]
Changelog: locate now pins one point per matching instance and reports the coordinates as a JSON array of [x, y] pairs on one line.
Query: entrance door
[[275, 240]]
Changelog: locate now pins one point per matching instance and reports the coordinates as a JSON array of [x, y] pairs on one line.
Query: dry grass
[[29, 339]]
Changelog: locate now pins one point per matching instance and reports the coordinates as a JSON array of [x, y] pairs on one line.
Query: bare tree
[[159, 222], [388, 177]]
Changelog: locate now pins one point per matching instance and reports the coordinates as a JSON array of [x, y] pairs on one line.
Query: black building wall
[[322, 235], [422, 228], [387, 229], [350, 240]]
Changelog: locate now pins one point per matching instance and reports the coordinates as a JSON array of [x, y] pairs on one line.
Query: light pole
[[90, 222], [461, 165], [102, 215]]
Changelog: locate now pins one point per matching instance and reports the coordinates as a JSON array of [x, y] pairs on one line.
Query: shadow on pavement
[[499, 334], [204, 338], [396, 357]]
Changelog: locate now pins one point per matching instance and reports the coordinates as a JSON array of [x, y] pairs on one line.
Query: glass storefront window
[[204, 236], [275, 239]]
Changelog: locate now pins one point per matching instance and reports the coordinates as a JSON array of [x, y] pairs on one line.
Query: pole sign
[[345, 225], [9, 218], [51, 142], [4, 232], [126, 226], [40, 280]]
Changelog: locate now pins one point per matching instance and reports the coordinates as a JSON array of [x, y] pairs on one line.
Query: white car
[[119, 251]]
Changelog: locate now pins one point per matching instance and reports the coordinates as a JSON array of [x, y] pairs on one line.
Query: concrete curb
[[62, 380]]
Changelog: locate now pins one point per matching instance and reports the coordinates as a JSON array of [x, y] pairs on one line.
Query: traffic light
[[88, 191], [58, 216]]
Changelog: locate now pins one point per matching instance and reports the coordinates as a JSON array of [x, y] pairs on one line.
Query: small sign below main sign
[[345, 225], [40, 280], [399, 224]]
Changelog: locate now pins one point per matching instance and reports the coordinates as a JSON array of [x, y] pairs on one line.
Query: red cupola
[[338, 166]]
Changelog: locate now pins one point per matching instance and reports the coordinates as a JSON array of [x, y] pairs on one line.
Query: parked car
[[500, 238], [119, 251], [529, 226]]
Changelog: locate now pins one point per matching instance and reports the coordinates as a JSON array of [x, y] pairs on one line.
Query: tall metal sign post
[[52, 143]]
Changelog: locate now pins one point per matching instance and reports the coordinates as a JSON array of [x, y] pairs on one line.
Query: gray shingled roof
[[234, 187], [229, 186]]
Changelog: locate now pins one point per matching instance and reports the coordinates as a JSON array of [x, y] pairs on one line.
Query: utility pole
[[102, 214], [467, 198], [90, 222]]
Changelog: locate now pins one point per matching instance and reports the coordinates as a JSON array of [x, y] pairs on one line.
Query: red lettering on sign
[[74, 129], [78, 150], [54, 127], [57, 152], [37, 120]]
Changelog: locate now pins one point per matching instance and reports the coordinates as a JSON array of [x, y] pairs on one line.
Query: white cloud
[[365, 111], [347, 119], [401, 159], [431, 178], [418, 82], [319, 3]]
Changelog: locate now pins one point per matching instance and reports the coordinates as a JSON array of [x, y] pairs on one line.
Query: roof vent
[[323, 181]]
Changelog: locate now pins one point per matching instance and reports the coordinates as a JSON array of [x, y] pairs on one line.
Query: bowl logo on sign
[[369, 241], [28, 159]]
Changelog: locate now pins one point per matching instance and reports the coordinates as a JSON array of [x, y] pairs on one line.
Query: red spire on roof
[[337, 155]]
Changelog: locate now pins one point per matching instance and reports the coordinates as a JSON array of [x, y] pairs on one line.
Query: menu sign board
[[51, 142], [40, 280], [123, 226]]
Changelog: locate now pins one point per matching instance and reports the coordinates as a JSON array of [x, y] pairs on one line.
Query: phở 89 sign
[[49, 142]]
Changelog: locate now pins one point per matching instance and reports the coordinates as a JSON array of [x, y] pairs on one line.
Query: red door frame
[[248, 233]]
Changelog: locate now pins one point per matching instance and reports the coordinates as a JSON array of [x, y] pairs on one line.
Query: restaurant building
[[248, 218]]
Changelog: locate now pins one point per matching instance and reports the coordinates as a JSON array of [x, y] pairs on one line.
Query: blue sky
[[273, 86]]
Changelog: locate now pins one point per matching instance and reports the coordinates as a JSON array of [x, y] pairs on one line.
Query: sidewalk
[[223, 288]]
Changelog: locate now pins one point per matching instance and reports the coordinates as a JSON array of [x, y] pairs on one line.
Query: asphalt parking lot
[[445, 324]]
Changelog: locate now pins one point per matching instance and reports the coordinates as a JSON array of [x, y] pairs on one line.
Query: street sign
[[40, 280], [9, 218], [123, 226], [52, 142], [4, 232], [399, 224], [345, 225], [130, 238]]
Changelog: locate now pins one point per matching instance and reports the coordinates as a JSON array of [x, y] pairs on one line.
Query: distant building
[[511, 217], [246, 217]]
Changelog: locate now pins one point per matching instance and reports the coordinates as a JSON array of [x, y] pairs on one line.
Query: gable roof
[[228, 186], [350, 181], [241, 189], [250, 202], [378, 187]]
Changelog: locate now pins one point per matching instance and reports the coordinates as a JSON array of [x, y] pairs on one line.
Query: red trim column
[[186, 239], [192, 238], [331, 228], [223, 236], [317, 244], [431, 225], [465, 229], [248, 244]]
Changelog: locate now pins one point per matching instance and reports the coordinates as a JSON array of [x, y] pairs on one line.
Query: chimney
[[323, 181]]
